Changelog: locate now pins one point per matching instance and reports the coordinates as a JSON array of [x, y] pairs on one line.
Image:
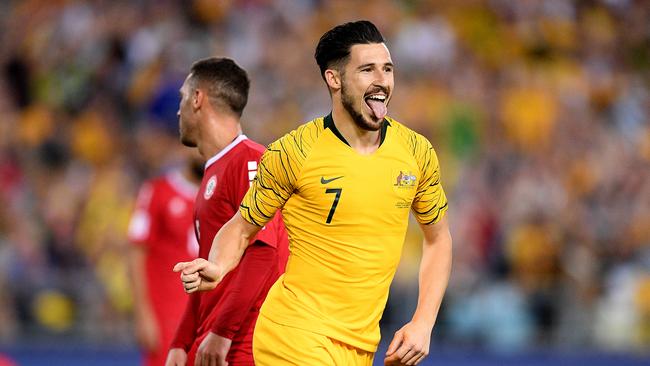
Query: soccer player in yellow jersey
[[345, 184]]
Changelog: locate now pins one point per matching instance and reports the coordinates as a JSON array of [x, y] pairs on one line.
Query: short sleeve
[[141, 219], [430, 203], [273, 184], [239, 175]]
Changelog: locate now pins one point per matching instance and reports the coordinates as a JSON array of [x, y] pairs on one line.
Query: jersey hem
[[322, 330]]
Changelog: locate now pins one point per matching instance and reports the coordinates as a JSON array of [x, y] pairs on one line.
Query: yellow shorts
[[279, 345]]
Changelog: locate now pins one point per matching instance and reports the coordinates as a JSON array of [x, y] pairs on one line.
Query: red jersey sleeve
[[140, 225], [256, 268], [186, 331]]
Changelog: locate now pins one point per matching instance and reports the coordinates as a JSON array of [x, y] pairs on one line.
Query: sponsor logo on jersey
[[324, 180], [210, 187], [405, 179]]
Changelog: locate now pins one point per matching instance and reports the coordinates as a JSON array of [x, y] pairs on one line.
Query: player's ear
[[197, 98], [333, 79]]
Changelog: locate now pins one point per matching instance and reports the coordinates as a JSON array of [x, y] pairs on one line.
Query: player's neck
[[363, 141], [217, 134], [191, 175]]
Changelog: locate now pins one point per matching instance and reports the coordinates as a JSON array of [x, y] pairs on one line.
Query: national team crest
[[210, 187], [405, 179]]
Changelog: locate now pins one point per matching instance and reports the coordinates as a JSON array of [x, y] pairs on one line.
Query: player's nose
[[381, 80]]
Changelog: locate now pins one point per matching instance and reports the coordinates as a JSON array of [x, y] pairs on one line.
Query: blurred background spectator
[[539, 111]]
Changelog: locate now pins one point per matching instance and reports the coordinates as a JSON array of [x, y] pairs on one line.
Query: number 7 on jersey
[[335, 203]]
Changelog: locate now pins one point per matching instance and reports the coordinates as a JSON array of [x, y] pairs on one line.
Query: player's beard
[[348, 103]]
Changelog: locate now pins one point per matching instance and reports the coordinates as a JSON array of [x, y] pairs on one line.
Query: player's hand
[[198, 275], [410, 345], [213, 351], [146, 331], [176, 357]]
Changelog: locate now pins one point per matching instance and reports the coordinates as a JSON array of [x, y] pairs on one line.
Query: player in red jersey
[[217, 327], [162, 231]]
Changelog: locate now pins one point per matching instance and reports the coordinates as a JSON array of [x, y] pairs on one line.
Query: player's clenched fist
[[198, 275]]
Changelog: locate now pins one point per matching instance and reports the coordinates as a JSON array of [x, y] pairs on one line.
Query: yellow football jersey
[[346, 215]]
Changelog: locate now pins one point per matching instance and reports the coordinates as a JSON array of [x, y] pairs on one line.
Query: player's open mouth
[[377, 104]]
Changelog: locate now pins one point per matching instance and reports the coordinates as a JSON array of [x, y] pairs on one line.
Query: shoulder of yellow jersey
[[298, 143], [430, 202], [288, 154], [417, 144]]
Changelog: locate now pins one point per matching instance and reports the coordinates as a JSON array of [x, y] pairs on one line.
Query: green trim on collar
[[328, 122]]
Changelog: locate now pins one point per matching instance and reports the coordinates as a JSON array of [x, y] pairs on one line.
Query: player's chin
[[371, 123], [186, 141]]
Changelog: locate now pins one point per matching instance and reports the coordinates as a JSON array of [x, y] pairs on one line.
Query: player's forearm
[[230, 243], [435, 269]]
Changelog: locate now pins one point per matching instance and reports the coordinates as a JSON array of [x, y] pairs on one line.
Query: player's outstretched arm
[[227, 249], [231, 241], [410, 345]]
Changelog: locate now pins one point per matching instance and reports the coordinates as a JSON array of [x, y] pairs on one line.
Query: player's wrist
[[223, 332], [179, 346], [216, 272], [424, 321]]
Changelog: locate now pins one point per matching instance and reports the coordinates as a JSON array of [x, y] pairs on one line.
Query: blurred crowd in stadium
[[539, 112]]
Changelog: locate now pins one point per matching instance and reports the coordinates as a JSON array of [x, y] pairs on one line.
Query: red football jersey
[[226, 180], [163, 222]]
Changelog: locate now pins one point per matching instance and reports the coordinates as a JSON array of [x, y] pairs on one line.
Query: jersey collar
[[328, 122], [225, 150]]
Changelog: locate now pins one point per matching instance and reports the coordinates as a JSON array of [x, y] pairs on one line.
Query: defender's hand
[[213, 351], [198, 275], [176, 357]]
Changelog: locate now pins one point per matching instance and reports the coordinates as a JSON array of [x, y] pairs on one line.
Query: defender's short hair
[[226, 83]]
